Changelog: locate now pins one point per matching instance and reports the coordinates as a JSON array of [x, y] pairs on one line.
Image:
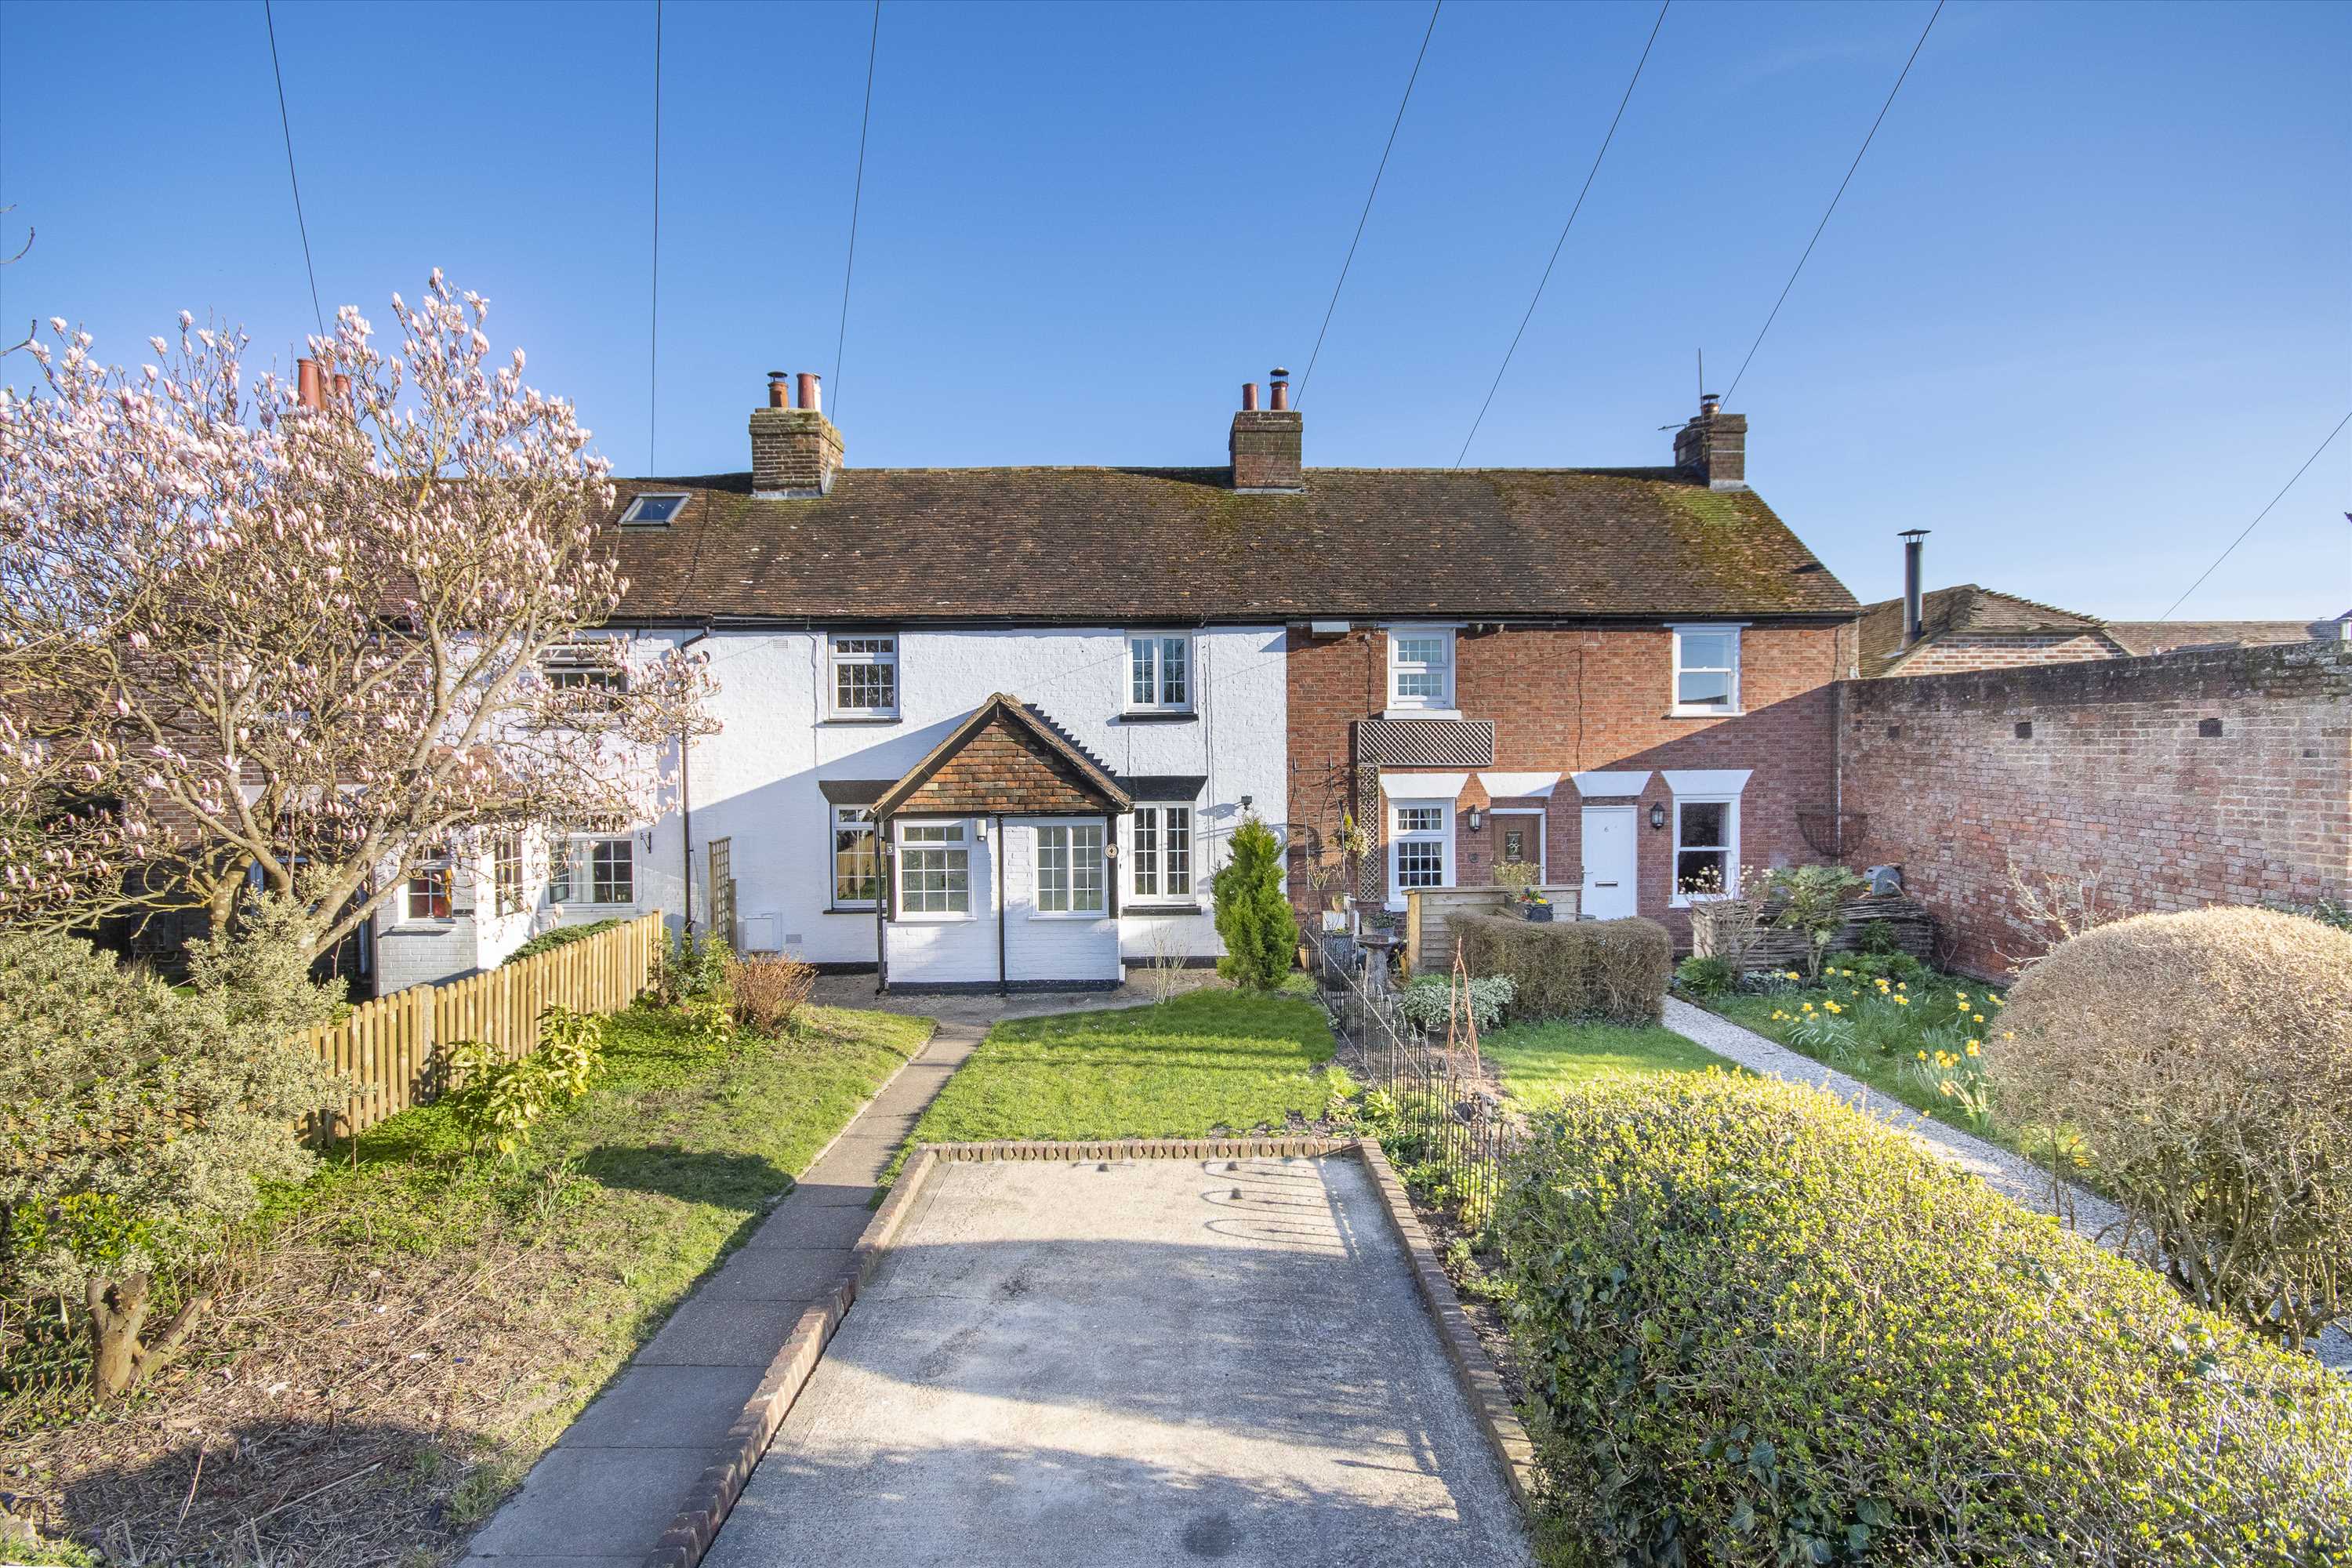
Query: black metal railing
[[1432, 1101]]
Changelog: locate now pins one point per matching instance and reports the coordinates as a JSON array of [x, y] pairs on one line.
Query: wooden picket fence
[[388, 1049]]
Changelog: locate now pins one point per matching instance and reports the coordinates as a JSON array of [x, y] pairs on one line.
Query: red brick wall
[[2116, 776], [1571, 700]]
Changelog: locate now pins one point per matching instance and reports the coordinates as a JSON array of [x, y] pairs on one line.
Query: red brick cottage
[[1624, 676]]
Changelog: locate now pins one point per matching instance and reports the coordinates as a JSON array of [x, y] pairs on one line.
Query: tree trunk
[[118, 1311]]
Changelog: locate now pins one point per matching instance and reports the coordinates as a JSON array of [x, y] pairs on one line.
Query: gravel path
[[2009, 1173]]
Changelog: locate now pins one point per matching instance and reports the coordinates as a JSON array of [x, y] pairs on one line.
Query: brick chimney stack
[[796, 452], [1713, 446], [1268, 445]]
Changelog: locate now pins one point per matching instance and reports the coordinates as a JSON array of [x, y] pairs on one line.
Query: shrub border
[[714, 1494]]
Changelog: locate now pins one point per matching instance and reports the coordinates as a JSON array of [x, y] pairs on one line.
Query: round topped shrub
[[2205, 1062], [1759, 1328]]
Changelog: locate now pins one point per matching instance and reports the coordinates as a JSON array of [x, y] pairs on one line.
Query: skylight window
[[654, 509]]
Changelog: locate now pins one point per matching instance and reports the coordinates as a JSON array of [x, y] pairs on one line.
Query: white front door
[[1609, 883]]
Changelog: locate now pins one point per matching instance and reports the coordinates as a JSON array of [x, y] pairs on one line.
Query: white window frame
[[1442, 836], [1732, 709], [956, 838], [1442, 700], [1149, 852], [506, 893], [1051, 902], [585, 665], [1676, 897], [634, 515], [1154, 647], [572, 875], [857, 821], [842, 650], [424, 873]]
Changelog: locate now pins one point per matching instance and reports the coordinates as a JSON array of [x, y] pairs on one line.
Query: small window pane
[[1421, 820], [1180, 849], [1421, 650], [1144, 671], [1707, 650], [1173, 684], [1087, 871], [1700, 870], [612, 872], [1704, 824], [1054, 869], [429, 894], [1420, 864], [1147, 851]]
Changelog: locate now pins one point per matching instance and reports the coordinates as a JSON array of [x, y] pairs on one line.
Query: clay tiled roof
[[1088, 545], [2163, 636], [1006, 758], [1966, 608]]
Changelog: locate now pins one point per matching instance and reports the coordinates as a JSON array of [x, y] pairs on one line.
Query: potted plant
[[1521, 878]]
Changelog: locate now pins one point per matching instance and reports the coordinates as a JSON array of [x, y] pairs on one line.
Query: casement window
[[1421, 667], [1159, 674], [1706, 669], [584, 667], [1070, 878], [654, 509], [1706, 846], [427, 893], [1421, 847], [934, 868], [506, 874], [863, 676], [856, 868], [1162, 856], [596, 872]]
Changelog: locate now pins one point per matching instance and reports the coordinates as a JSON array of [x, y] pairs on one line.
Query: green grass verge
[[1537, 1059], [1202, 1062]]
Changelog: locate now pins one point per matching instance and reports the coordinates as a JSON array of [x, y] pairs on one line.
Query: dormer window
[[654, 509]]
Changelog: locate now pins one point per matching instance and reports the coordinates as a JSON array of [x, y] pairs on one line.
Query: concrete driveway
[[1157, 1362]]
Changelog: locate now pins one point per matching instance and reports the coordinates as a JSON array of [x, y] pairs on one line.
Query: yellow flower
[[1923, 1056], [1902, 1001], [1975, 1048], [1833, 1007], [1793, 974], [1808, 1007], [1899, 985], [1976, 1017], [2008, 1034], [1999, 1003]]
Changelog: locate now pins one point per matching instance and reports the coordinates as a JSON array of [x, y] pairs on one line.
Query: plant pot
[[1539, 914]]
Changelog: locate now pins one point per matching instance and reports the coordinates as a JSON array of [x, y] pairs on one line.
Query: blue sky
[[2083, 310]]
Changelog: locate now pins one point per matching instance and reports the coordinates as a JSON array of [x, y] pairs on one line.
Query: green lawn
[[444, 1317], [1536, 1060], [1202, 1062]]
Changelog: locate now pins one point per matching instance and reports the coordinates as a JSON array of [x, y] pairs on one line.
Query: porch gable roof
[[1005, 759]]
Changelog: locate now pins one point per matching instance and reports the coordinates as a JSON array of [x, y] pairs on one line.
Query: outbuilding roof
[[1085, 545]]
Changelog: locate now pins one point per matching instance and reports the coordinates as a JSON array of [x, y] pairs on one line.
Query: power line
[[653, 314], [857, 197], [1375, 191], [1570, 224], [2259, 515], [1840, 192], [285, 126]]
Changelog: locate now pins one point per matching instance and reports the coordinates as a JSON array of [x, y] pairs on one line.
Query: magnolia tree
[[254, 636]]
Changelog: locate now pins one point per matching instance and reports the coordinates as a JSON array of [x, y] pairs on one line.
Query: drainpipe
[[885, 868], [686, 804], [996, 874]]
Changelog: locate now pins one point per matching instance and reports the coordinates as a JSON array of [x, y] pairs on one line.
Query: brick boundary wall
[[714, 1495], [2187, 779]]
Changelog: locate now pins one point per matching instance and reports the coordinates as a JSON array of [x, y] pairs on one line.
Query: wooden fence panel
[[389, 1049]]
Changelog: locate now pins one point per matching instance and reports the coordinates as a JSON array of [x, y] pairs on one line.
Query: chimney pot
[[1708, 403], [1913, 619], [306, 383], [796, 452], [809, 397], [780, 389], [343, 391], [1280, 389], [1249, 397]]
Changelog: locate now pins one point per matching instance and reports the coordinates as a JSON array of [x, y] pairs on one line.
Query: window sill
[[1078, 917], [1691, 900], [1707, 712], [903, 918], [859, 719], [1132, 908], [1455, 713], [864, 909], [1160, 716]]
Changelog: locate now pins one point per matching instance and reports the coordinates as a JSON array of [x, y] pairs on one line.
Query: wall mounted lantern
[[1475, 818], [1657, 816]]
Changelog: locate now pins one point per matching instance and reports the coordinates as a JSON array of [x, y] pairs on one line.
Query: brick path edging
[[715, 1491]]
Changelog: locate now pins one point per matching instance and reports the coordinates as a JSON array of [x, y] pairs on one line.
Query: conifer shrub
[[2205, 1061], [1253, 915], [1759, 1328]]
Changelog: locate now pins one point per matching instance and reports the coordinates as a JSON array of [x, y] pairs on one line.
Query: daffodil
[[1902, 1001], [1976, 1017], [1975, 1048]]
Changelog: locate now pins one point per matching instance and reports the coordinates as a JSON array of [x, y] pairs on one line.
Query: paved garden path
[[2018, 1177], [615, 1479], [1130, 1363]]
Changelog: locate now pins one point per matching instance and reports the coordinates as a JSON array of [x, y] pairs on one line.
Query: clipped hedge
[[1616, 970], [561, 936], [1761, 1327]]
